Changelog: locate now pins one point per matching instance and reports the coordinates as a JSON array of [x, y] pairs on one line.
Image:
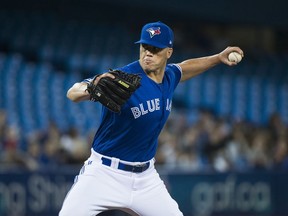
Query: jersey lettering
[[168, 105], [143, 111], [136, 112], [150, 106]]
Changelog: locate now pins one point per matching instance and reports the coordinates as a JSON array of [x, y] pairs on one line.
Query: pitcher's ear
[[169, 52]]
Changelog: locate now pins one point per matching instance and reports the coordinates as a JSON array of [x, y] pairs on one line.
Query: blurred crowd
[[213, 143], [208, 143], [49, 148]]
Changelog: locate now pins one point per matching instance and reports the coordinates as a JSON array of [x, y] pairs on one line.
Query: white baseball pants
[[98, 188]]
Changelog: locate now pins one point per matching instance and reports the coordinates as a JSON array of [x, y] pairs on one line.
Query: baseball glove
[[113, 93]]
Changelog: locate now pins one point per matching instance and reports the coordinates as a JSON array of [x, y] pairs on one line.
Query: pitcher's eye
[[152, 49]]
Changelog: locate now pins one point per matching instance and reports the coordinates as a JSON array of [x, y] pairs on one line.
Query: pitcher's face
[[153, 58]]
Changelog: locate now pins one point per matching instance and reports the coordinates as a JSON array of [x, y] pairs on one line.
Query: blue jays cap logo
[[154, 31], [165, 35]]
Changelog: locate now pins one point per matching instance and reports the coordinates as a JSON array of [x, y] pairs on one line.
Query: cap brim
[[152, 43]]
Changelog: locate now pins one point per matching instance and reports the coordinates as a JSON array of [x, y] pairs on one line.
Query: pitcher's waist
[[136, 167]]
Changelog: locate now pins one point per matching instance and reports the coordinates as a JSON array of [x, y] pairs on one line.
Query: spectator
[[2, 131], [51, 153], [237, 148], [12, 154], [167, 154], [75, 146], [258, 154], [280, 156]]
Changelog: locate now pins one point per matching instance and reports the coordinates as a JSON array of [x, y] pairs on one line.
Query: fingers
[[234, 49], [225, 53], [103, 75], [230, 63]]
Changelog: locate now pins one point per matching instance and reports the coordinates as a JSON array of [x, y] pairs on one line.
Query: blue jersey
[[133, 134]]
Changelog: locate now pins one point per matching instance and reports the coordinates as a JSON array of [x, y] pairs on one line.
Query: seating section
[[41, 57]]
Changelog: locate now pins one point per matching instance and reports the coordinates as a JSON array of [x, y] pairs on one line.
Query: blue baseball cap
[[157, 34]]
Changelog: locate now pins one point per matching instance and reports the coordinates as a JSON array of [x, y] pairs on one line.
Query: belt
[[126, 167]]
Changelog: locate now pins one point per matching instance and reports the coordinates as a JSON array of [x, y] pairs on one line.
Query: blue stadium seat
[[249, 91], [240, 96]]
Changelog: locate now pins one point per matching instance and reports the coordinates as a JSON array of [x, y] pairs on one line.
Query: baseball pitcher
[[137, 100]]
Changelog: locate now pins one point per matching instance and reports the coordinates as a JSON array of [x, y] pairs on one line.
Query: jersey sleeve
[[88, 79], [177, 73]]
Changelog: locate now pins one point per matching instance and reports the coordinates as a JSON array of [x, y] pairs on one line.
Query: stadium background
[[224, 149]]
